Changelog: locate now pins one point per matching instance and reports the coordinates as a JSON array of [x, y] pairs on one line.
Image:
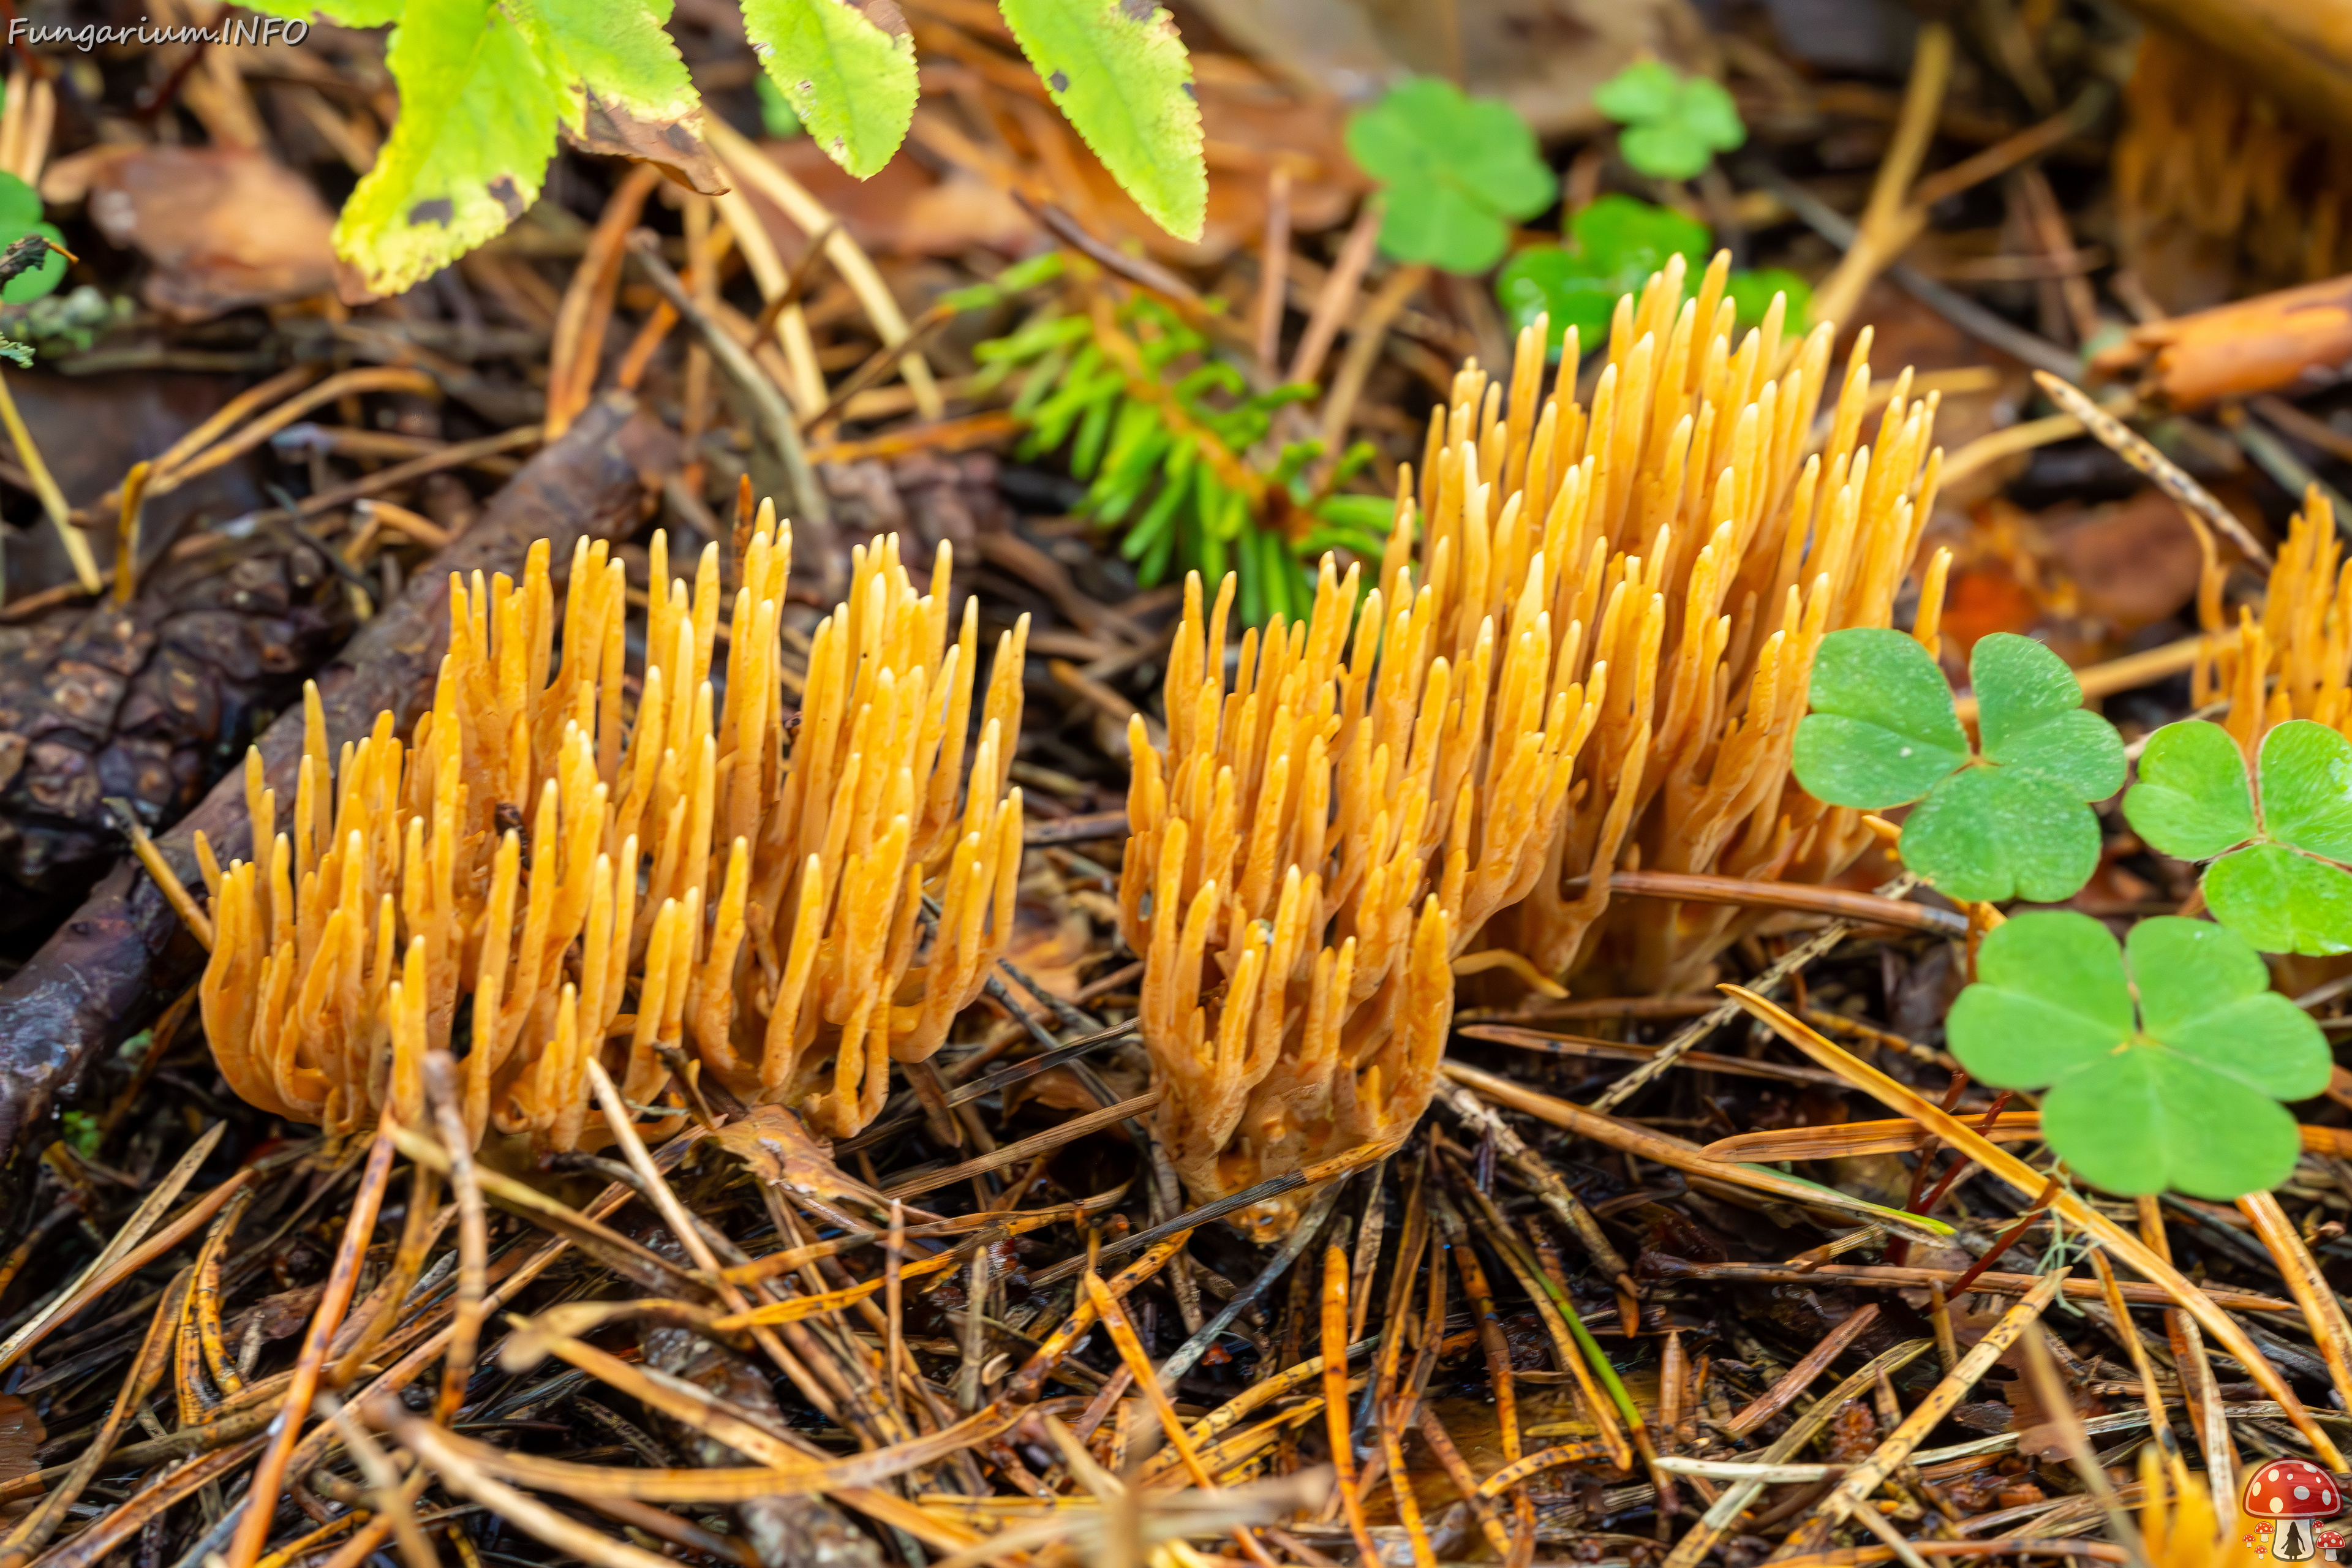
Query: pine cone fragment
[[151, 701]]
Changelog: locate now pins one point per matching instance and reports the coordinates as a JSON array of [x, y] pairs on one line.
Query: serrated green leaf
[[1117, 68], [1456, 170], [846, 70], [1989, 833], [469, 153], [342, 13], [2186, 1094], [2307, 771], [1882, 731], [2192, 801], [2282, 901], [622, 87], [2031, 716]]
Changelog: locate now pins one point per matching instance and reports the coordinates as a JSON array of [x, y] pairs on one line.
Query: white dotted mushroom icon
[[2292, 1494]]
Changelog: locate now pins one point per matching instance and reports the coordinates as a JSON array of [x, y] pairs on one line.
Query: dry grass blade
[[1682, 1156], [430, 1444], [2028, 1182], [132, 1246], [2323, 1311], [342, 1280], [1853, 1494], [1799, 1377]]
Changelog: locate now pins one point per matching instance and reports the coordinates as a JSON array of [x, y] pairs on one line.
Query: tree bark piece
[[124, 951]]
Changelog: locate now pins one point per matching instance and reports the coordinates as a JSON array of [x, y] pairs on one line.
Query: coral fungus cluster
[[545, 879], [1599, 654], [2291, 659], [1586, 645]]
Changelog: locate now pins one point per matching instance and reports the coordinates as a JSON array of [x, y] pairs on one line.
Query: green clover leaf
[[2275, 878], [2186, 1093], [2010, 821], [20, 214], [1675, 124], [1616, 242], [1751, 293], [1458, 173]]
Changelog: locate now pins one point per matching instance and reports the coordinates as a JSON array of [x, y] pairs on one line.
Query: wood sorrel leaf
[[2031, 718], [2279, 891], [2192, 801], [1882, 731], [2186, 1095], [2282, 901], [1117, 68], [1457, 171], [848, 70], [2012, 823], [1988, 833], [2307, 788]]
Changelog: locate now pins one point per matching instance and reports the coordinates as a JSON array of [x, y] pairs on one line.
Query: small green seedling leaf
[[20, 214], [847, 72], [1117, 68], [2275, 877], [1616, 242], [1675, 124], [777, 116], [1457, 173], [2182, 1091], [469, 153], [2012, 821], [1751, 294]]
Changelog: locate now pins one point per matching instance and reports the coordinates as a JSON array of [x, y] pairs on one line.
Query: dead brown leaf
[[225, 226], [780, 1151]]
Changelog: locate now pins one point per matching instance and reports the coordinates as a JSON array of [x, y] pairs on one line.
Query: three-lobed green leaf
[[2181, 1090], [2010, 821], [1675, 124], [1615, 242], [1456, 173], [1118, 71], [2272, 878]]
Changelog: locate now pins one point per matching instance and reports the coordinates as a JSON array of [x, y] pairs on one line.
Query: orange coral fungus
[[589, 886], [1641, 586], [2292, 660]]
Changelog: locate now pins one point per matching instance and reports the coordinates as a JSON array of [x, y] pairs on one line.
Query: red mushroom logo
[[2331, 1544], [2292, 1494]]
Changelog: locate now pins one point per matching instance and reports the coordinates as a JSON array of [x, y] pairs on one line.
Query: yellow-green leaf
[[622, 87], [846, 67], [469, 153], [1117, 68]]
